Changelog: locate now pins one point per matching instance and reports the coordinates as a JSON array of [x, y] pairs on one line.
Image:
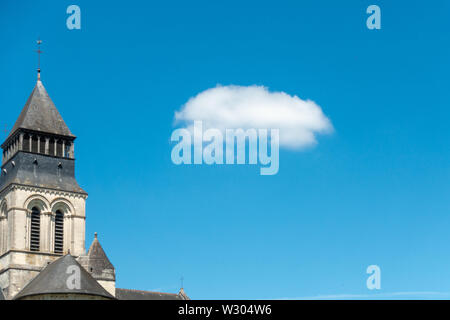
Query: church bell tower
[[42, 207]]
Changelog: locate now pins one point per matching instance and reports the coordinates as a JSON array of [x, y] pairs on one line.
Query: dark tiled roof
[[127, 294], [40, 114], [53, 280]]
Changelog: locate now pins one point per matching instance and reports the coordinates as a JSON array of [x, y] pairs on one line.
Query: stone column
[[21, 141], [56, 144], [38, 144], [3, 232], [17, 224], [67, 239], [46, 232], [63, 149], [31, 142], [47, 143], [72, 150]]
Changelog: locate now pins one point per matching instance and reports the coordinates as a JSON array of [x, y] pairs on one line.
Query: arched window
[[59, 232], [35, 229]]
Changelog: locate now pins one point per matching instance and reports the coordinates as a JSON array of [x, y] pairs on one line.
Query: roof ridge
[[135, 290]]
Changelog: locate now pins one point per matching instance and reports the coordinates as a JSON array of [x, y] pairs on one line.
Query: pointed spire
[[39, 42], [183, 294], [97, 260], [40, 114]]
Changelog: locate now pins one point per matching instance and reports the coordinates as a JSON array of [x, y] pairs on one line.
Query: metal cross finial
[[182, 280], [39, 41]]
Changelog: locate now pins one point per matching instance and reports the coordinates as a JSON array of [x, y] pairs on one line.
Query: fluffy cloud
[[232, 107]]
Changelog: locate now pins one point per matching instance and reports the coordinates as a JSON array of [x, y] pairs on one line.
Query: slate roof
[[38, 170], [97, 259], [40, 114], [53, 280], [127, 294]]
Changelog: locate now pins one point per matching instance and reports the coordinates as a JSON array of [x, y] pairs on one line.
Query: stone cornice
[[50, 213], [32, 253], [21, 267], [16, 209], [61, 193]]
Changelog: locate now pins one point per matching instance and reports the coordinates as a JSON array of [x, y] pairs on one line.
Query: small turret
[[98, 265]]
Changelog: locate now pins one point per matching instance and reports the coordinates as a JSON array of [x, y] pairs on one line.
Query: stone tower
[[42, 207]]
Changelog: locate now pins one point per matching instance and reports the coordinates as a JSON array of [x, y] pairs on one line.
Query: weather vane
[[39, 41]]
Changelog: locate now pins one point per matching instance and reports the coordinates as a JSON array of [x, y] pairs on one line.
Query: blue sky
[[376, 191]]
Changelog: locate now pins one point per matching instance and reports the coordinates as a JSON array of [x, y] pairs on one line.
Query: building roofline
[[16, 132]]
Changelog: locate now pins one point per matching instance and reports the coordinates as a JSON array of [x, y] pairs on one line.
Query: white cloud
[[232, 107]]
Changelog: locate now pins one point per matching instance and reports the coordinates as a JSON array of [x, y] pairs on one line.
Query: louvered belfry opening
[[35, 229], [59, 232], [51, 147], [42, 145], [59, 148], [26, 142], [34, 144]]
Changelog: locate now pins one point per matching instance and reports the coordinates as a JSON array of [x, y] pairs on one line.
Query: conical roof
[[40, 114], [55, 279], [97, 259]]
